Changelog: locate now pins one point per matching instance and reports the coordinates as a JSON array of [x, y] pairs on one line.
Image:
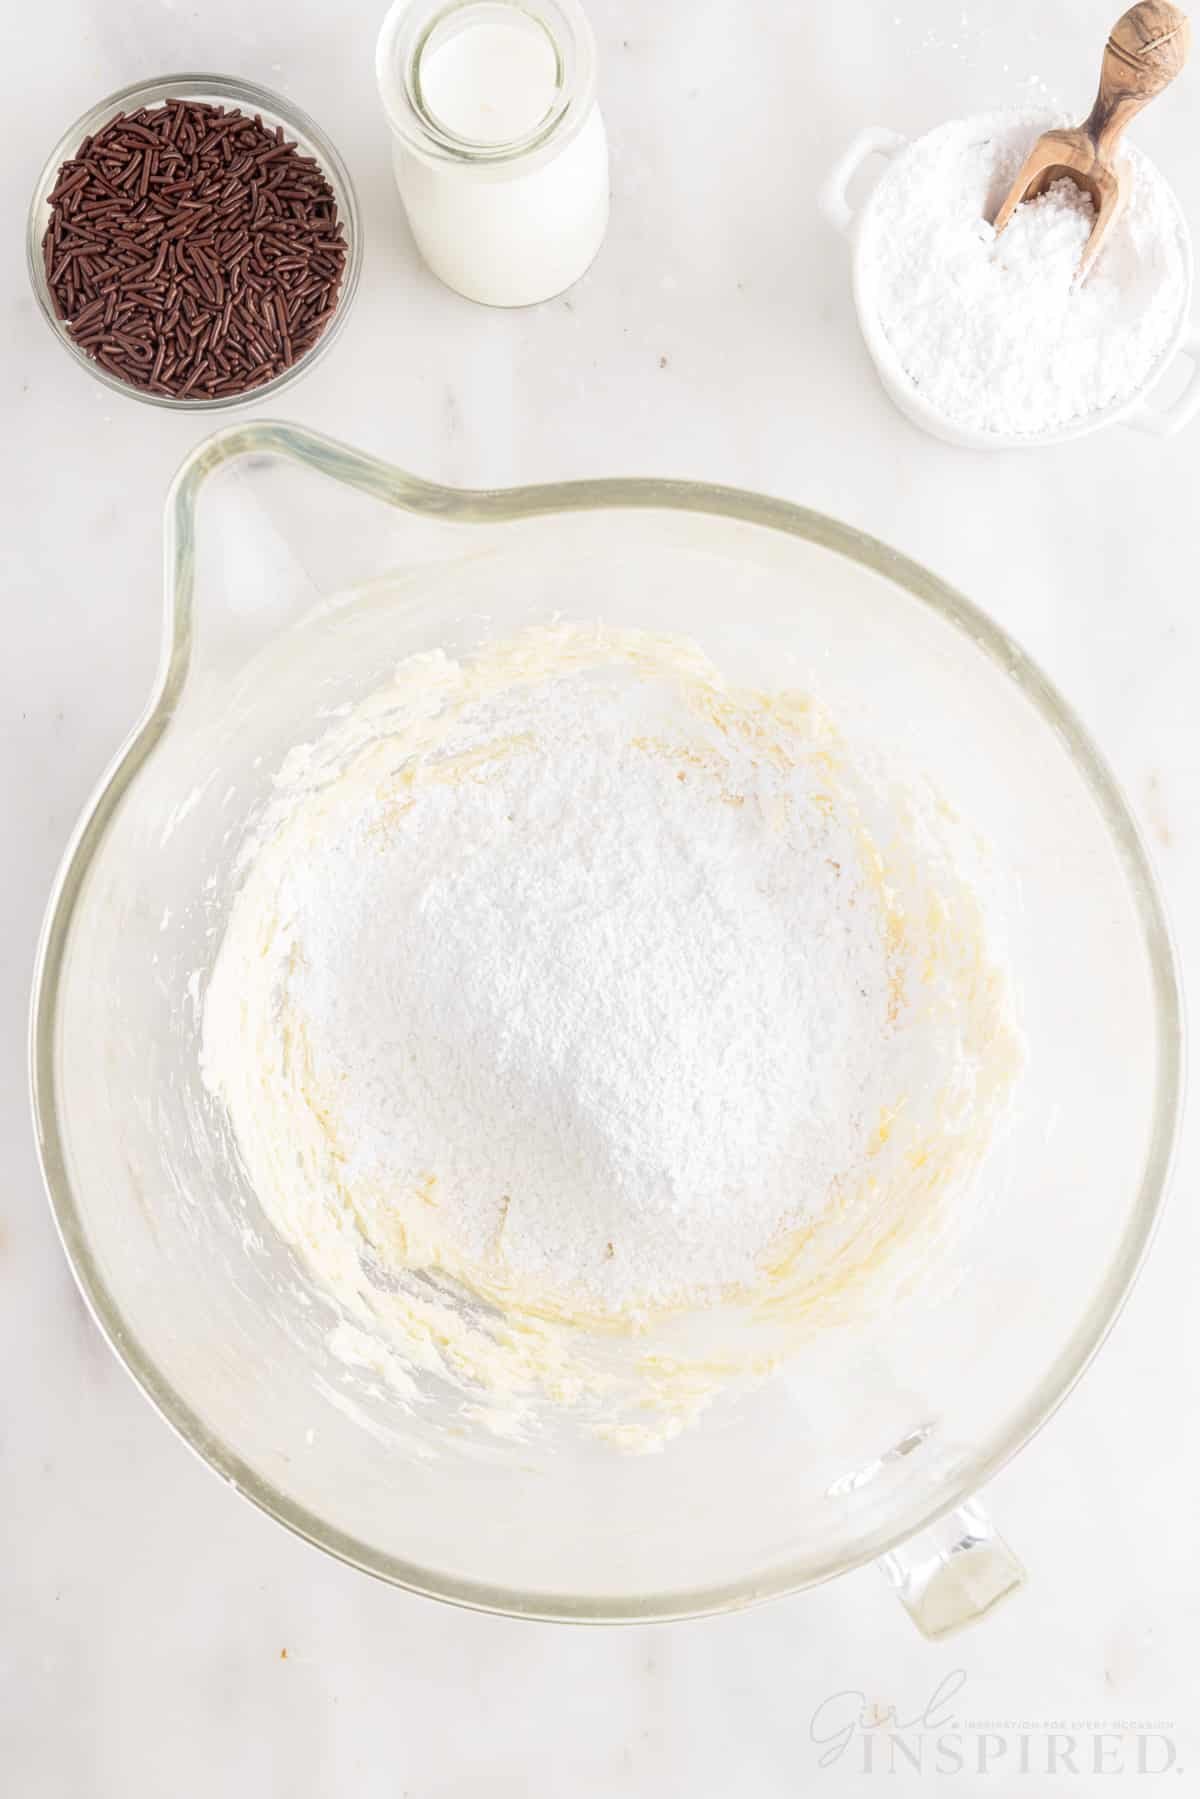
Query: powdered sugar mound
[[595, 1028], [600, 984], [996, 332]]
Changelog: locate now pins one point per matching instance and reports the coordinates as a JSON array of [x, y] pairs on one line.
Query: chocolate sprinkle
[[192, 252]]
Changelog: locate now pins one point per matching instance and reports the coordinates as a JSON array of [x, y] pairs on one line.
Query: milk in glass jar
[[499, 150]]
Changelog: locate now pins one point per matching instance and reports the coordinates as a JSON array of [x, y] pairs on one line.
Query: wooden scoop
[[1146, 49]]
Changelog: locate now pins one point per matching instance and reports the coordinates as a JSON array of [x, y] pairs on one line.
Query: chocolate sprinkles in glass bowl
[[192, 251]]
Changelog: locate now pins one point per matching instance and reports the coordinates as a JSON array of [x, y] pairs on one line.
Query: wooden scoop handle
[[1146, 49]]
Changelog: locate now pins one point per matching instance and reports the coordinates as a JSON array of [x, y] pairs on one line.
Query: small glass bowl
[[219, 90]]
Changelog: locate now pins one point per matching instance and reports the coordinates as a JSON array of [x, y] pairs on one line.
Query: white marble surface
[[143, 1609]]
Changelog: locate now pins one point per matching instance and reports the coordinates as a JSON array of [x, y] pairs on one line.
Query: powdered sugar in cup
[[993, 342]]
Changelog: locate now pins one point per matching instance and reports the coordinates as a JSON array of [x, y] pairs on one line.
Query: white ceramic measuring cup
[[1160, 421]]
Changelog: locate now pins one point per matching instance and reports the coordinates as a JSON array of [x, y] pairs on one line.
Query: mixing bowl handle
[[1164, 421], [953, 1572], [873, 140]]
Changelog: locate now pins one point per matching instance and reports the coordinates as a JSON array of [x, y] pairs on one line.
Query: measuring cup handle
[[873, 140], [953, 1572], [1164, 421]]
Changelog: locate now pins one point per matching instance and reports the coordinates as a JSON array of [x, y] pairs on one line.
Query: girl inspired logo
[[935, 1740]]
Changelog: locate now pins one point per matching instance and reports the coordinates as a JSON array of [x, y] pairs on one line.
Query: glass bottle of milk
[[499, 147]]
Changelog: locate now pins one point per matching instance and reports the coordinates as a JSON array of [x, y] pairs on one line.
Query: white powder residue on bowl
[[996, 333]]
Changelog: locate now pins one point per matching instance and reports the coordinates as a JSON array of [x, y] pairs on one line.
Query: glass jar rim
[[412, 26]]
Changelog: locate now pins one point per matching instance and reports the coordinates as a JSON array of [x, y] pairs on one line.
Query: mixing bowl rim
[[392, 485]]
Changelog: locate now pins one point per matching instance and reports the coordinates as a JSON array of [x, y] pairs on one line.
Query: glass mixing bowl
[[298, 573]]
